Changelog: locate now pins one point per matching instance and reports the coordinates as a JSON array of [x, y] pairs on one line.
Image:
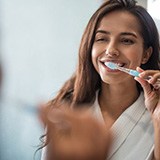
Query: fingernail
[[135, 78], [150, 81], [156, 87], [141, 75]]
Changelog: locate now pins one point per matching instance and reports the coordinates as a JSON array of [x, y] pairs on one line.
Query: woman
[[123, 33]]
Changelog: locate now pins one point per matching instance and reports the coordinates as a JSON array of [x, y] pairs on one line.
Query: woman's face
[[118, 40]]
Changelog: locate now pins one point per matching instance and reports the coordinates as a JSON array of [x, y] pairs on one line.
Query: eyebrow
[[102, 31], [122, 33], [129, 34]]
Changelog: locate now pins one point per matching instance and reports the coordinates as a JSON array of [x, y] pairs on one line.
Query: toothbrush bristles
[[111, 65]]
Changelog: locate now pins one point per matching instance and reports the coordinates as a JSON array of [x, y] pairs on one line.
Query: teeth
[[106, 63], [120, 64]]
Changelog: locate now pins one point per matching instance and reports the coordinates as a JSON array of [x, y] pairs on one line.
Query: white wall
[[39, 44], [143, 3], [153, 9]]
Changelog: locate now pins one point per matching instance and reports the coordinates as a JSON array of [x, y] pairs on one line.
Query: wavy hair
[[82, 86]]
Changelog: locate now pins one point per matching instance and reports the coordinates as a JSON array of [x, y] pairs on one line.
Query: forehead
[[120, 21]]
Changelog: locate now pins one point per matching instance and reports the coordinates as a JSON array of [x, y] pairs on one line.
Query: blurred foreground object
[[75, 135]]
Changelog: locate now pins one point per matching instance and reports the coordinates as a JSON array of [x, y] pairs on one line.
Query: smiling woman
[[121, 32], [123, 45]]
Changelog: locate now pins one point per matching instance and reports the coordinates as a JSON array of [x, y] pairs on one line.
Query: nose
[[112, 51]]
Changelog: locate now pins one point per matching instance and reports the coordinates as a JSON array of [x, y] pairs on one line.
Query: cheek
[[95, 55], [136, 59]]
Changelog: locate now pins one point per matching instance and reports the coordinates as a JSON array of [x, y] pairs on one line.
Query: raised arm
[[151, 89]]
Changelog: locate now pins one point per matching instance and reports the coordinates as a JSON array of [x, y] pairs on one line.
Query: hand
[[151, 89], [76, 135]]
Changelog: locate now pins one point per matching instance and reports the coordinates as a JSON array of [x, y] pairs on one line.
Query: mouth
[[117, 63]]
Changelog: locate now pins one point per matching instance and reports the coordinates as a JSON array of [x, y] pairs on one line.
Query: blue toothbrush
[[114, 66], [131, 72]]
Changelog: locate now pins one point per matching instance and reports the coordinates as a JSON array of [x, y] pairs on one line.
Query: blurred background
[[39, 42]]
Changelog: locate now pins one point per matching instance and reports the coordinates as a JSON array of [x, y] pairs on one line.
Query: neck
[[114, 99]]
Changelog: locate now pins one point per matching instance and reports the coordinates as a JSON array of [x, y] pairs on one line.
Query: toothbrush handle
[[134, 73]]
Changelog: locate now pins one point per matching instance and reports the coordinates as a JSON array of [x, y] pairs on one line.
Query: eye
[[101, 39], [127, 41]]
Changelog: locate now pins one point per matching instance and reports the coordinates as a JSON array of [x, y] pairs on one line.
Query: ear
[[147, 55]]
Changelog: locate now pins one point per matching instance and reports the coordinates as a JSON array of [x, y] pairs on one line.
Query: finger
[[149, 94], [142, 73], [149, 74], [155, 78], [156, 87], [139, 69], [145, 85]]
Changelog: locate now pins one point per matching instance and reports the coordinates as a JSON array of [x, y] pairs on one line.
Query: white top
[[132, 133]]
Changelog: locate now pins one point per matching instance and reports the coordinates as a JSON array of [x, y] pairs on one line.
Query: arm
[[152, 102], [156, 123]]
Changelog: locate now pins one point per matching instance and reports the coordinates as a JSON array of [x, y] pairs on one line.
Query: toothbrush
[[114, 66], [131, 72]]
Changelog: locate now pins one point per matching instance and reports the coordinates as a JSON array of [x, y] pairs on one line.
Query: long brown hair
[[82, 86]]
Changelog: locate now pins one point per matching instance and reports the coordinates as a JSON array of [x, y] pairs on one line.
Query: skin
[[124, 45], [152, 102], [118, 39]]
